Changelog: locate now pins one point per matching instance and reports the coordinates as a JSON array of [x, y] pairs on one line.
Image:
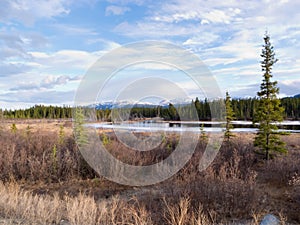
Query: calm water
[[193, 126]]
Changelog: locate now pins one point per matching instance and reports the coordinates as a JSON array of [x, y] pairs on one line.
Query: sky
[[48, 46]]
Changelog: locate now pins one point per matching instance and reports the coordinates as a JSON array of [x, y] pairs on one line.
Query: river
[[193, 126]]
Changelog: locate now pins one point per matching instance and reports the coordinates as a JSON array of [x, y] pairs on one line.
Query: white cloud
[[29, 98], [52, 81], [14, 53], [289, 88], [15, 44], [38, 70], [106, 45], [68, 29], [204, 38], [126, 2], [206, 12], [116, 10], [48, 82], [219, 16], [292, 82], [215, 61], [28, 11], [8, 69], [151, 29], [44, 72], [25, 86], [67, 60]]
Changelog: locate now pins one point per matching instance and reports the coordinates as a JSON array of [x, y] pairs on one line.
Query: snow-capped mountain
[[130, 104]]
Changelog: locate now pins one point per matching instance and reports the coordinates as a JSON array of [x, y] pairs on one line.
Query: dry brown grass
[[40, 156], [182, 214], [37, 125], [284, 170], [19, 206], [238, 185], [22, 207]]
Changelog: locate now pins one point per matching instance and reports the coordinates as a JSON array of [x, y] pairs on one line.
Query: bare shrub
[[182, 213], [41, 156], [227, 186], [283, 170], [178, 214], [200, 218]]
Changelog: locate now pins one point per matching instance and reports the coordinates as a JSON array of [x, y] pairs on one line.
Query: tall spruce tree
[[229, 117], [269, 110]]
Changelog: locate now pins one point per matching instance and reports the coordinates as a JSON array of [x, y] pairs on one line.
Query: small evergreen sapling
[[229, 118]]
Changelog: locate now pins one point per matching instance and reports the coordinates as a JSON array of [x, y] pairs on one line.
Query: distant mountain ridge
[[163, 103], [130, 104], [123, 104]]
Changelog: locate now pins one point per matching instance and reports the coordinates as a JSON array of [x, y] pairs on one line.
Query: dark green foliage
[[292, 108], [269, 110], [173, 113], [79, 129], [40, 112], [244, 108], [229, 118], [203, 109]]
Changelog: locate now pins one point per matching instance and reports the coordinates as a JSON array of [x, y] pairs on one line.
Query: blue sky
[[46, 47]]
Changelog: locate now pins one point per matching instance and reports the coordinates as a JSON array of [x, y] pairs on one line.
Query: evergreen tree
[[79, 129], [229, 117], [173, 113], [207, 113], [197, 105], [269, 110], [61, 135]]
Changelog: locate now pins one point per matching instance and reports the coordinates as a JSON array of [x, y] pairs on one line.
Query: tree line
[[38, 112], [243, 109]]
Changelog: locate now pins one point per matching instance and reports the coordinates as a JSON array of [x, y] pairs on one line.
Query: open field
[[45, 180], [51, 125]]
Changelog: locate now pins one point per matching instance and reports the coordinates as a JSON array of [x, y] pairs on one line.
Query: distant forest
[[244, 109]]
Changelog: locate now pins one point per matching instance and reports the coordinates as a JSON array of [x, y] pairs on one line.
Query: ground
[[276, 183]]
